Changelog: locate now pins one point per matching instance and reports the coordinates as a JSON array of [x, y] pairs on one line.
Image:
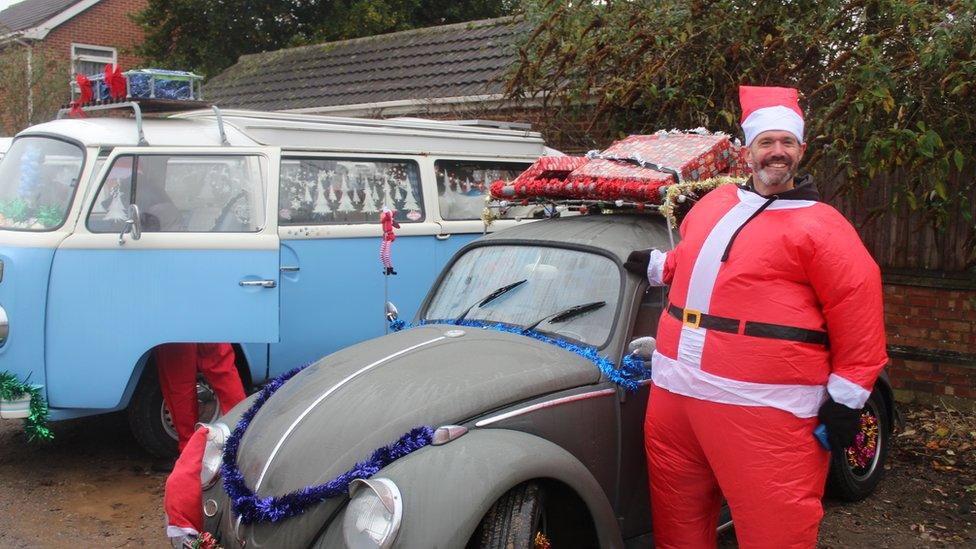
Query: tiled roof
[[458, 60], [30, 13]]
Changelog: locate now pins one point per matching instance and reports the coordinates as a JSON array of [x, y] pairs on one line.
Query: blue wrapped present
[[164, 84]]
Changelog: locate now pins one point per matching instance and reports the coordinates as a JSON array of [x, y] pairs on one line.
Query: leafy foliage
[[208, 36], [887, 85], [38, 70]]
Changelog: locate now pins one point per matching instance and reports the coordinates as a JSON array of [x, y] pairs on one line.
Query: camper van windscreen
[[38, 178]]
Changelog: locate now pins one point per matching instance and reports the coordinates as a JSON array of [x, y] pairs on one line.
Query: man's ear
[[803, 149], [749, 155]]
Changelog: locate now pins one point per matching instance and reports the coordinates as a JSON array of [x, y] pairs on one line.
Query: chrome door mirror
[[131, 225], [642, 347], [391, 312]]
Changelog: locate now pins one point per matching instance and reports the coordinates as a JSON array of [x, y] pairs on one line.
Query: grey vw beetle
[[531, 437]]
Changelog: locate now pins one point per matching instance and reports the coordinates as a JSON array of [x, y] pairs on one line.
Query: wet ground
[[94, 487]]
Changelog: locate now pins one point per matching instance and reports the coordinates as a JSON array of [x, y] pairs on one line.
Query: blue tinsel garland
[[631, 372], [252, 508]]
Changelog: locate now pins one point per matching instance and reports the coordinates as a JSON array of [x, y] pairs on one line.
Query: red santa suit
[[178, 364], [774, 304]]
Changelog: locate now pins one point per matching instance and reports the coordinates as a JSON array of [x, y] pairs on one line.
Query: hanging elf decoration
[[14, 394], [386, 219]]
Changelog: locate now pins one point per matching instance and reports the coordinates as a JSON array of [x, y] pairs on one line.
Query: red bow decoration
[[115, 81], [84, 86]]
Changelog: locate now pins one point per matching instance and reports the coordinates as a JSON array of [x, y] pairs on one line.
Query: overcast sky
[[5, 3]]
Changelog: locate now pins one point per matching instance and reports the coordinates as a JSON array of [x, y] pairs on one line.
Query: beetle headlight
[[213, 453], [372, 518]]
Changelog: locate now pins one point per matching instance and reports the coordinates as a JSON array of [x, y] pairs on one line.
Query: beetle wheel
[[855, 473], [517, 520]]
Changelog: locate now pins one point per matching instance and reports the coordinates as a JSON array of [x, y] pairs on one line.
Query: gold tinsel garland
[[679, 193]]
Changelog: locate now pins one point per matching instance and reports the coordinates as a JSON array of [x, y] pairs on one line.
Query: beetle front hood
[[341, 408]]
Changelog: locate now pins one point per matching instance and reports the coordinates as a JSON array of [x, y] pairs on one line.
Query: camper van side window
[[198, 194], [463, 184], [316, 191]]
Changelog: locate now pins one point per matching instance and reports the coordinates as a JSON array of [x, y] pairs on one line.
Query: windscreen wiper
[[566, 314], [490, 297]]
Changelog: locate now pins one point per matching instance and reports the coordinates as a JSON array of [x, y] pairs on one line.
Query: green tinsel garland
[[35, 424]]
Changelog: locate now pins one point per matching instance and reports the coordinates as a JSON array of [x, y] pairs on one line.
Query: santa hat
[[768, 108], [183, 498]]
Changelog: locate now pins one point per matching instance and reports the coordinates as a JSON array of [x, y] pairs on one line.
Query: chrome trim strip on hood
[[546, 404], [324, 395]]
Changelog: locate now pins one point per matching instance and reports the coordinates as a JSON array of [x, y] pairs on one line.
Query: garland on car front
[[251, 508]]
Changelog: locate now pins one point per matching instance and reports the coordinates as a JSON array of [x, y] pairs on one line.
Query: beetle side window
[[316, 191], [182, 194], [462, 186], [649, 311]]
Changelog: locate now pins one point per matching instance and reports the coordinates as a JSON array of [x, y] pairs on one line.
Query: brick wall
[[931, 326], [107, 23]]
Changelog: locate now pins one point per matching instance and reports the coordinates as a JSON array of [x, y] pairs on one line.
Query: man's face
[[774, 156]]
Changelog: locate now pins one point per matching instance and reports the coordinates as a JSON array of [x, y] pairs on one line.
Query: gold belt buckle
[[691, 322]]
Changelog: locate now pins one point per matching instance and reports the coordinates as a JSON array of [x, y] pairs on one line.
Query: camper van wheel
[[150, 420]]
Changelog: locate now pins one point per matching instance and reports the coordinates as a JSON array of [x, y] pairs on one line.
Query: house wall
[[107, 23]]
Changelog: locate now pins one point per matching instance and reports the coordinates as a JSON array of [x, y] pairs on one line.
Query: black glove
[[842, 424], [638, 261]]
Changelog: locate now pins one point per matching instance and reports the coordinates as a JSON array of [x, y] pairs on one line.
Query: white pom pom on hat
[[766, 108]]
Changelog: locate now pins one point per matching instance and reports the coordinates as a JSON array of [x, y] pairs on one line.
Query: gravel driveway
[[93, 486]]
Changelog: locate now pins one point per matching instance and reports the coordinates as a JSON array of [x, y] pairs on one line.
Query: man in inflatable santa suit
[[774, 325]]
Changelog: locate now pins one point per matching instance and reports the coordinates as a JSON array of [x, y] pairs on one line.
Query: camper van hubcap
[[209, 409]]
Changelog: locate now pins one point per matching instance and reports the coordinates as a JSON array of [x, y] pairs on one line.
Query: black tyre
[[855, 473], [150, 420], [514, 521]]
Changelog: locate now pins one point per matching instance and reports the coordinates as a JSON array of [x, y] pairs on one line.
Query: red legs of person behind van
[[178, 363]]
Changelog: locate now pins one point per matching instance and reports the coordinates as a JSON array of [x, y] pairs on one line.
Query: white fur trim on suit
[[655, 268], [802, 401], [180, 531], [846, 392], [776, 117]]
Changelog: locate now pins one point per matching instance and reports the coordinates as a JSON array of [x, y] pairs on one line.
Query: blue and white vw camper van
[[118, 234]]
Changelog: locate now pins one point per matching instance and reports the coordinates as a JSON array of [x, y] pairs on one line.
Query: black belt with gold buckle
[[698, 319]]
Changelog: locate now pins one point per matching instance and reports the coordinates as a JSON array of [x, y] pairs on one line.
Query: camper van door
[[198, 264]]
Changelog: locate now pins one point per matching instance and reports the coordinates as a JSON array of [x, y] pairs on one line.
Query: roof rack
[[140, 106], [106, 106]]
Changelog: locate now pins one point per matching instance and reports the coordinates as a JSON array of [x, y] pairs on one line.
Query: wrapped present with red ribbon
[[739, 166], [545, 178], [657, 160], [634, 169]]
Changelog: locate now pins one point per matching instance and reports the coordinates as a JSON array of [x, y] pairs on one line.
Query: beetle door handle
[[442, 236], [261, 283]]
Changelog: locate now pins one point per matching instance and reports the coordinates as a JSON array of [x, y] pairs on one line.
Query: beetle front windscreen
[[556, 280]]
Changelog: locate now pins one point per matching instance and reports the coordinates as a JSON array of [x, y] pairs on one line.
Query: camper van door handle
[[261, 283], [442, 236]]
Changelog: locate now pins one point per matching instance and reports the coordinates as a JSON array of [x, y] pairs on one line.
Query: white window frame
[[75, 56]]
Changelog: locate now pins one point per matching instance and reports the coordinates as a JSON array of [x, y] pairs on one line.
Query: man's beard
[[771, 180]]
